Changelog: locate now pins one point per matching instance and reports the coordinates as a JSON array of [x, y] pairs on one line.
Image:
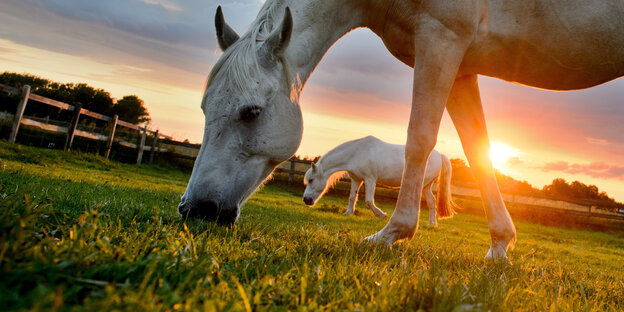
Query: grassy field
[[82, 233]]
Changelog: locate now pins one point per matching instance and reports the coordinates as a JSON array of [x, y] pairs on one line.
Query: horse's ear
[[225, 34], [279, 39], [313, 167]]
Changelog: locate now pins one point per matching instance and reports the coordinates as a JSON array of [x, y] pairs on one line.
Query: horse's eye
[[311, 180], [250, 113]]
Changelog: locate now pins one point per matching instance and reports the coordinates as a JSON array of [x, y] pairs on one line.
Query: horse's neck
[[318, 24], [337, 159]]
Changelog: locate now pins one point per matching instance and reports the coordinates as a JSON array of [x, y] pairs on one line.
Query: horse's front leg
[[353, 195], [464, 107], [438, 54]]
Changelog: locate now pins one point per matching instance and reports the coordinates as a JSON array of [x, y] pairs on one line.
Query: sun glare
[[500, 153]]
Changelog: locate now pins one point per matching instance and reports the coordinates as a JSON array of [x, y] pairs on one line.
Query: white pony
[[372, 161], [251, 100]]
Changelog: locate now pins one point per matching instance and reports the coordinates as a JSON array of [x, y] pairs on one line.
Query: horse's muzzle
[[209, 210], [308, 201]]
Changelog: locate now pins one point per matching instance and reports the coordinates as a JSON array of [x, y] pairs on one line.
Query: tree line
[[575, 192], [129, 108]]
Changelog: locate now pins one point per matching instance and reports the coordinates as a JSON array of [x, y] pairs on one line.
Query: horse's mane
[[334, 178], [233, 62]]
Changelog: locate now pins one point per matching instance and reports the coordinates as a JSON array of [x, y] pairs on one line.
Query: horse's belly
[[389, 167], [394, 182], [533, 68], [549, 44]]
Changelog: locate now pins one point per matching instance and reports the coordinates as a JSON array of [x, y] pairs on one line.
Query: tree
[[580, 193], [19, 80], [461, 172], [131, 108], [96, 100]]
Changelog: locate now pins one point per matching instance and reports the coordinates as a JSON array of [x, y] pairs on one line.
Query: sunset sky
[[162, 51]]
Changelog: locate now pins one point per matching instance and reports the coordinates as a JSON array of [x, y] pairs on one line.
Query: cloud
[[596, 169], [556, 166], [187, 22], [362, 51], [587, 124], [359, 63], [155, 20], [514, 161], [596, 141], [175, 42], [172, 6], [30, 23], [591, 115]]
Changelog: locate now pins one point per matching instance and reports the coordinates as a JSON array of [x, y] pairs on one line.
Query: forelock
[[239, 62]]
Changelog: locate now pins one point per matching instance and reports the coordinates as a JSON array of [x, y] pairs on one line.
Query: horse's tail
[[445, 206]]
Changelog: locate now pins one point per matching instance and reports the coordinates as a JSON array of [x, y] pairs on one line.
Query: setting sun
[[500, 153]]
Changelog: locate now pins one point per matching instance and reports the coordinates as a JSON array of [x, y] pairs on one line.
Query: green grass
[[82, 233]]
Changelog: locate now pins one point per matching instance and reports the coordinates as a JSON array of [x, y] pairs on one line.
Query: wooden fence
[[72, 131], [189, 151], [290, 168]]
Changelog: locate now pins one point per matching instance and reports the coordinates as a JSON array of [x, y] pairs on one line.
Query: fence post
[[291, 174], [72, 127], [153, 147], [141, 146], [111, 135], [17, 119]]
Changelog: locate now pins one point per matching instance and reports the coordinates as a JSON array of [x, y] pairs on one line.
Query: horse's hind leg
[[370, 198], [431, 202], [464, 107], [355, 187]]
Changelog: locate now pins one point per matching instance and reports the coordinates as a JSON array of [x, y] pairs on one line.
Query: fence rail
[[71, 131], [289, 167], [190, 151]]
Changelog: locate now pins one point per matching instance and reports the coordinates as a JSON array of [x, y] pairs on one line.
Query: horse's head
[[316, 184], [253, 122]]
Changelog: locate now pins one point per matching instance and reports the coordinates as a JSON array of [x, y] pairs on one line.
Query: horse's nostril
[[228, 216], [206, 209], [307, 200], [184, 209], [209, 210], [208, 205]]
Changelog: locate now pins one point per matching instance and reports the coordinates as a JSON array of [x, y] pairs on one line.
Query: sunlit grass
[[80, 232]]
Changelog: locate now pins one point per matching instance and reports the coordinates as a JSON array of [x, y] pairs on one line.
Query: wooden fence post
[[141, 146], [72, 128], [17, 119], [111, 135], [153, 151], [291, 174]]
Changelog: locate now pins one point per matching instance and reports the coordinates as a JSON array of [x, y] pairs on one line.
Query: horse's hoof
[[379, 214], [504, 261], [347, 213], [497, 256], [432, 225], [377, 239]]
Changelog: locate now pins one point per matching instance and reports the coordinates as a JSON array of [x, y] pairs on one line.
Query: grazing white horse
[[372, 161], [251, 100]]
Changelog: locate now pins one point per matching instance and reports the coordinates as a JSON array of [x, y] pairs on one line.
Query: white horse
[[251, 100], [372, 161]]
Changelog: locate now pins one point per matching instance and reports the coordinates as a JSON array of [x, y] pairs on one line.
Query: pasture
[[80, 232]]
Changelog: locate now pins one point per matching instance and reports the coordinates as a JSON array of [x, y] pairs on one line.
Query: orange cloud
[[595, 169]]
